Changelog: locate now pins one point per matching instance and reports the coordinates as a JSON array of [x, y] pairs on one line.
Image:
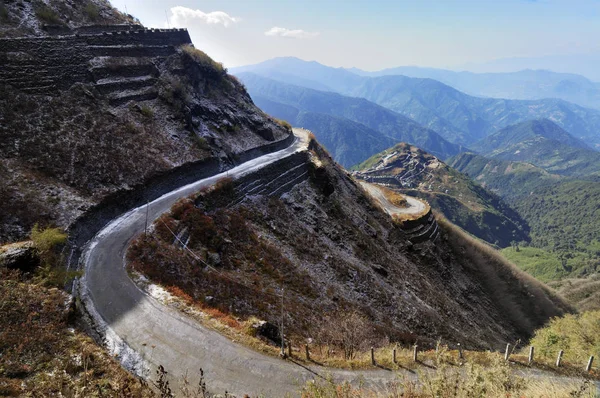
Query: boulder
[[19, 256], [268, 331]]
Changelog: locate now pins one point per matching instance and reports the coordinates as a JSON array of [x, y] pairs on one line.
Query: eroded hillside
[[323, 240]]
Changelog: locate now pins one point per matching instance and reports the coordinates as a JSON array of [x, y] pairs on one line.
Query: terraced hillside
[[413, 171], [95, 112]]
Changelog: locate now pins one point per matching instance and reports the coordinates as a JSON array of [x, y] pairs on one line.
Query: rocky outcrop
[[21, 256]]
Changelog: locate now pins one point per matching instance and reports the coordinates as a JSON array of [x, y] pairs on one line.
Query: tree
[[350, 331]]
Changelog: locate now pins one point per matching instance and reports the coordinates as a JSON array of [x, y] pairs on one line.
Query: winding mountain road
[[415, 206], [145, 333]]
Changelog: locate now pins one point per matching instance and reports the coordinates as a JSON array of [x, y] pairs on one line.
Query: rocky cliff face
[[96, 111]]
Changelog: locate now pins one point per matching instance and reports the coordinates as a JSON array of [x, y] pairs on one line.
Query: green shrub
[[51, 272], [201, 143], [577, 335], [47, 239], [204, 60], [147, 111], [47, 15], [92, 11], [3, 13]]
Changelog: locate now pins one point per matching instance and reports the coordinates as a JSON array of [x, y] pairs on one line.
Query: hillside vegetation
[[411, 170], [510, 180], [521, 132], [578, 335], [544, 144], [561, 213], [28, 18], [42, 355], [63, 154], [335, 253], [563, 218]]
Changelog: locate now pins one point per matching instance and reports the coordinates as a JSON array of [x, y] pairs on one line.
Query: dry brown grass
[[441, 380], [393, 197], [505, 282], [42, 357], [204, 60], [283, 123]]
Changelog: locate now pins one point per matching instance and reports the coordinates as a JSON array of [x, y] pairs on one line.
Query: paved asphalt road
[[415, 206], [163, 336], [143, 330]]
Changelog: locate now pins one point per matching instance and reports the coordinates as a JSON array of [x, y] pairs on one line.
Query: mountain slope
[[468, 205], [31, 17], [544, 144], [560, 211], [522, 85], [505, 178], [349, 142], [456, 116], [386, 122], [334, 252], [466, 119], [527, 130], [84, 131]]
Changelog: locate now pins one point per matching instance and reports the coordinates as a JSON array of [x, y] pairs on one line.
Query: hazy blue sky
[[375, 34]]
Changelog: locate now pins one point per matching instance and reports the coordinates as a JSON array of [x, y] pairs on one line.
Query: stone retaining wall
[[44, 65], [92, 221]]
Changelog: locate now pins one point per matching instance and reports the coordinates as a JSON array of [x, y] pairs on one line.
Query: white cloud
[[291, 33], [184, 17]]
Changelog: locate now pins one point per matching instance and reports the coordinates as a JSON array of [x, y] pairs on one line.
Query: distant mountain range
[[456, 116], [581, 64], [544, 144], [539, 154], [352, 129], [524, 85]]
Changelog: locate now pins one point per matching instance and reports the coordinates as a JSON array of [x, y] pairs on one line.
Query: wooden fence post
[[589, 364], [531, 350], [394, 355], [416, 353], [559, 358], [372, 356], [507, 352], [307, 352], [460, 352]]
